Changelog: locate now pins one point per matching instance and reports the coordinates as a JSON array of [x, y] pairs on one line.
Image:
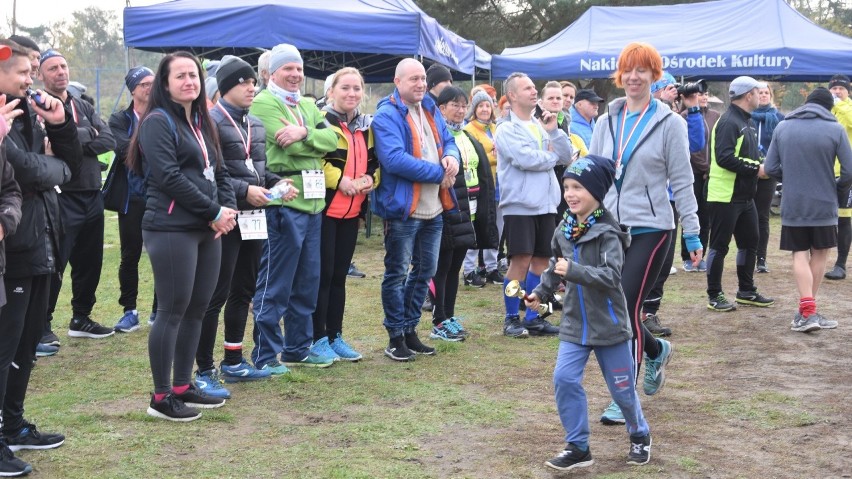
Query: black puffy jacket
[[10, 209], [95, 138], [32, 250], [234, 151]]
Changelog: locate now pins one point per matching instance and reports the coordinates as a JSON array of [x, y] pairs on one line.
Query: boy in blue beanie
[[588, 248]]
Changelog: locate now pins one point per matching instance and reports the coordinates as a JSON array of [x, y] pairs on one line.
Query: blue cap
[[47, 54], [135, 76], [663, 82]]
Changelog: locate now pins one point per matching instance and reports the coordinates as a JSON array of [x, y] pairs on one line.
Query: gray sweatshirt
[[661, 155], [802, 154]]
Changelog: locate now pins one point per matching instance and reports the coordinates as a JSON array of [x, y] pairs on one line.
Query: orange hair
[[638, 54], [502, 102], [489, 90]]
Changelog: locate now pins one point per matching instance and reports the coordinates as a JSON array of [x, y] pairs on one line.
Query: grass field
[[745, 398]]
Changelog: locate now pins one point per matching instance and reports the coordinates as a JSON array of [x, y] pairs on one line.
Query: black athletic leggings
[[130, 236], [642, 263], [446, 281], [336, 249], [703, 220], [762, 201], [186, 269], [655, 297], [844, 239]]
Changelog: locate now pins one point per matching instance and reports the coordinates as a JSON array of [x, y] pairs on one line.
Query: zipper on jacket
[[611, 311], [650, 203], [582, 302]]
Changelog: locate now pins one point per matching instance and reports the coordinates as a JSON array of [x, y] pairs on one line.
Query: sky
[[37, 12]]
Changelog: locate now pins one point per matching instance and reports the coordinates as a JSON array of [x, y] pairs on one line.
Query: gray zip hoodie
[[594, 308], [802, 155], [661, 154]]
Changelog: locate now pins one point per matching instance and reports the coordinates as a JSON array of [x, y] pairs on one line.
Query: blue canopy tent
[[716, 40], [370, 35]]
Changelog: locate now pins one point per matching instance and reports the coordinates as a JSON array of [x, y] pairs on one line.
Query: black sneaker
[[652, 322], [398, 351], [11, 466], [837, 273], [86, 328], [172, 409], [720, 303], [50, 339], [29, 437], [494, 277], [474, 280], [354, 272], [513, 328], [193, 397], [540, 327], [640, 450], [412, 342], [428, 305], [753, 298], [761, 266], [571, 458]]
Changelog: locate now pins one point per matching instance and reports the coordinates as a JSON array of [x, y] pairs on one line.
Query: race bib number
[[313, 184], [252, 225]]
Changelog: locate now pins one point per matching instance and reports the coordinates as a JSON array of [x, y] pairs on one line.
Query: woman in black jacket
[[176, 148]]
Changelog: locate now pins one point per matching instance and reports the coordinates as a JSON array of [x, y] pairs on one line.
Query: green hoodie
[[302, 155]]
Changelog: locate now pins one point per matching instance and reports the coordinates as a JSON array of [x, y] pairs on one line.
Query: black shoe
[[50, 339], [494, 277], [354, 272], [720, 303], [571, 458], [29, 437], [427, 304], [513, 328], [412, 342], [172, 409], [753, 298], [86, 328], [640, 450], [193, 397], [540, 327], [761, 266], [652, 322], [837, 273], [11, 466], [473, 279], [398, 351]]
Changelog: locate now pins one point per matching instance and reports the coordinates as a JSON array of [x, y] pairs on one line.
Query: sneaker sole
[[721, 310], [662, 373], [52, 343], [352, 360], [128, 330], [517, 336], [206, 406], [399, 358], [17, 448], [423, 353], [154, 413], [309, 365], [754, 303], [806, 329], [444, 338], [533, 332], [572, 466], [47, 355], [22, 472], [83, 334], [242, 379], [606, 421], [828, 326]]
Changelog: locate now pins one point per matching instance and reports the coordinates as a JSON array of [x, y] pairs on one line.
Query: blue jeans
[[287, 285], [411, 259], [616, 364]]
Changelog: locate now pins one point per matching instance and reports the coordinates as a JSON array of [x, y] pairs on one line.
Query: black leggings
[[655, 297], [740, 221], [844, 238], [336, 249], [130, 236], [186, 269], [446, 283], [762, 201], [703, 219], [234, 290], [642, 263]]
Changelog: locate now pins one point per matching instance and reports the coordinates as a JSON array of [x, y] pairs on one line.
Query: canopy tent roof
[[716, 40], [370, 35]]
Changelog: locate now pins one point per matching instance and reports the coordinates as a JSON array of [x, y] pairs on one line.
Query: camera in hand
[[36, 98], [692, 88]]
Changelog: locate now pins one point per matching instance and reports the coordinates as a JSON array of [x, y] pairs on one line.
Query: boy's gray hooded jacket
[[661, 154], [802, 155], [594, 309]]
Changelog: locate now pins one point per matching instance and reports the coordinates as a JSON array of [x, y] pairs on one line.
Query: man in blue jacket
[[419, 160]]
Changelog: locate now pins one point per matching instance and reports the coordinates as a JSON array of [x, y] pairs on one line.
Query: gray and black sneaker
[[802, 324], [172, 409], [640, 450], [29, 437], [652, 322], [753, 298], [837, 273], [398, 351], [825, 323], [86, 328], [50, 338], [474, 280], [540, 327], [761, 266], [720, 303], [195, 398], [513, 328], [11, 466], [413, 343], [570, 458]]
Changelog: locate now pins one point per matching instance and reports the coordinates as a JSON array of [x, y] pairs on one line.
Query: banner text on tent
[[704, 61]]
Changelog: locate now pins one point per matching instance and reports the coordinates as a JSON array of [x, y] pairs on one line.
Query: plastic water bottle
[[279, 191]]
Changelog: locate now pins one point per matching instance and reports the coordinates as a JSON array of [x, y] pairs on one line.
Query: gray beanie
[[211, 87], [283, 54], [479, 97]]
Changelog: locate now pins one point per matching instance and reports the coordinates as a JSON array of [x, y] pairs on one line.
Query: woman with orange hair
[[649, 145]]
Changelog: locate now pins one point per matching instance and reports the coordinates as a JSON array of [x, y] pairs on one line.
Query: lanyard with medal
[[245, 141], [622, 143], [208, 169]]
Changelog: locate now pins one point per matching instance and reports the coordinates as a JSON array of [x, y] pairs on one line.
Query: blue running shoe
[[242, 372], [344, 350], [275, 368], [44, 350], [209, 384], [457, 328], [655, 369], [444, 332], [612, 415], [312, 360], [128, 323], [322, 348]]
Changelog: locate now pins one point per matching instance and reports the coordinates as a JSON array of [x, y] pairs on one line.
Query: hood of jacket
[[811, 111]]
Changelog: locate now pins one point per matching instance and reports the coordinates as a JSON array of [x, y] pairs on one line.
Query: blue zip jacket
[[594, 311], [400, 172]]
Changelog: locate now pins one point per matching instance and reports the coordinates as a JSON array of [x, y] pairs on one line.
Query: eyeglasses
[[146, 84], [457, 105]]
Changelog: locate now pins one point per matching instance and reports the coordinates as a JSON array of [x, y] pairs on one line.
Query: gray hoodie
[[802, 154], [661, 154], [594, 308], [528, 185]]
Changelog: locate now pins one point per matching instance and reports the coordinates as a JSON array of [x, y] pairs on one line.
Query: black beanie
[[839, 80], [233, 71], [821, 97], [25, 42], [595, 173], [437, 73]]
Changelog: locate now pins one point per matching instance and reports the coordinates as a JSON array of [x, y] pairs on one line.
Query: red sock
[[159, 396], [807, 306], [180, 389]]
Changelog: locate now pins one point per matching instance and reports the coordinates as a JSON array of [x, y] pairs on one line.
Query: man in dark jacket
[[734, 169], [82, 207], [39, 168]]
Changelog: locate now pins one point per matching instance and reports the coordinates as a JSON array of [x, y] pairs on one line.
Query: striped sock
[[807, 306]]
